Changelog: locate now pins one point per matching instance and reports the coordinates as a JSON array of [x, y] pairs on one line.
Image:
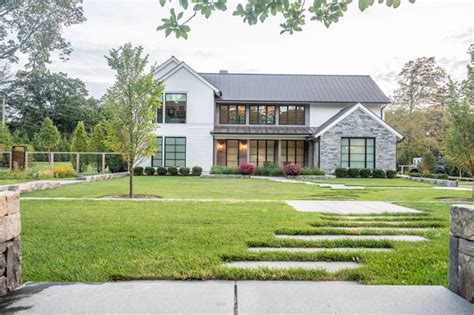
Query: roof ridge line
[[289, 74]]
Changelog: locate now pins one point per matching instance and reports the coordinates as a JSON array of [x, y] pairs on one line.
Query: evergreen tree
[[80, 143], [98, 142], [48, 137]]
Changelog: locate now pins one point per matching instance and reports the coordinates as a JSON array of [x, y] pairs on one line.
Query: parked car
[[415, 167]]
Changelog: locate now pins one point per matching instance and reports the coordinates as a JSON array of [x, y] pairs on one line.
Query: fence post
[[26, 159], [11, 162], [51, 159], [78, 160], [103, 163]]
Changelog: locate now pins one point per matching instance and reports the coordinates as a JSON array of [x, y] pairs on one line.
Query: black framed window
[[232, 114], [175, 108], [294, 151], [262, 114], [263, 152], [157, 159], [358, 152], [175, 151], [231, 152], [292, 115]]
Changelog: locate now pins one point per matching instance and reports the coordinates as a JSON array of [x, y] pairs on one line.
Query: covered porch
[[260, 146]]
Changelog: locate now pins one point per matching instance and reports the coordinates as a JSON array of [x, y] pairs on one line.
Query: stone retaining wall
[[93, 178], [10, 252], [442, 182], [221, 176], [461, 251]]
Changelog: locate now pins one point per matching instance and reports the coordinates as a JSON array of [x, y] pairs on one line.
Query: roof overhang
[[368, 112]]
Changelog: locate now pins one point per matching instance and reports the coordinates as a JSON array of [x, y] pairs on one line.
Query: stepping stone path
[[318, 249], [325, 265], [387, 211]]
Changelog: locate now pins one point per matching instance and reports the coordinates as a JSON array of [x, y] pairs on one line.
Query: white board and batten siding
[[320, 112], [199, 119]]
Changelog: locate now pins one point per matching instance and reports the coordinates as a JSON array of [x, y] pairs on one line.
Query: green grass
[[12, 181], [199, 188], [112, 240], [371, 182]]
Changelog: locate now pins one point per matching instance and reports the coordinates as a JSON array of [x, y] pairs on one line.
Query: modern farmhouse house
[[326, 121]]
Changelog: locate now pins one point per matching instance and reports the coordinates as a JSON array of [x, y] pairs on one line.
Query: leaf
[[184, 4], [162, 3]]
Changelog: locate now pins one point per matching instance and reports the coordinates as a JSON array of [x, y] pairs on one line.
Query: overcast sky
[[377, 42]]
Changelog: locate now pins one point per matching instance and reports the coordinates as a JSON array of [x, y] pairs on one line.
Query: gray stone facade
[[461, 251], [358, 124]]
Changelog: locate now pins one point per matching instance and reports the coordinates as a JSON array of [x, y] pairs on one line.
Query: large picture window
[[358, 152], [175, 151], [262, 114], [293, 151], [263, 152], [175, 108], [232, 114], [157, 159], [231, 152], [292, 115]]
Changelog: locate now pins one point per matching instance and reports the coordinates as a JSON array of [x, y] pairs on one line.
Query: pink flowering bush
[[247, 169], [292, 169]]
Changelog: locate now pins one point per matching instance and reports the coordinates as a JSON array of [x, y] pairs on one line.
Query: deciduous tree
[[131, 105], [48, 137], [6, 139]]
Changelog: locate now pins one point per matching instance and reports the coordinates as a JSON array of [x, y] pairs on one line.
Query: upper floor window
[[175, 108], [292, 115], [262, 114], [232, 114]]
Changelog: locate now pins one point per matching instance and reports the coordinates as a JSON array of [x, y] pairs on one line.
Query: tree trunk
[[130, 172]]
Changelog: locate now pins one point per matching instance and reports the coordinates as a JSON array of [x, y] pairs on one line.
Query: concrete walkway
[[348, 207], [230, 297]]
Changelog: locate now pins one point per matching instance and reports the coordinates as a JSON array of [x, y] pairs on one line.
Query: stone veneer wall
[[10, 252], [461, 251], [358, 124]]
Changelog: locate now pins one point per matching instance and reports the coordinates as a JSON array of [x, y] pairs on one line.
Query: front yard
[[99, 240]]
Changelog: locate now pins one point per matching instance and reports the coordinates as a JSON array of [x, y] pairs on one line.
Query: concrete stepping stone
[[318, 249], [348, 207], [370, 218], [329, 266], [390, 228], [405, 238]]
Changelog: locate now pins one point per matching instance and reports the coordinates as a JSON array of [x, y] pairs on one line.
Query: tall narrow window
[[232, 114], [292, 115], [175, 108], [294, 151], [157, 159], [231, 152], [358, 152], [262, 152], [262, 114], [175, 151]]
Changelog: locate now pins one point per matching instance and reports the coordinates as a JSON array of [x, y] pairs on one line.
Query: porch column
[[278, 157], [248, 150]]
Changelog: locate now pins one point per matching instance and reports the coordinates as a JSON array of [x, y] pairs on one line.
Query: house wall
[[320, 112], [199, 119], [358, 124]]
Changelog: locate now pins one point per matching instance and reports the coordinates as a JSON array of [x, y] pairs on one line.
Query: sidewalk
[[232, 297]]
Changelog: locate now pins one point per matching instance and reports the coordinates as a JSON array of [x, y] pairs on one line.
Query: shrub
[[184, 171], [292, 169], [138, 171], [172, 170], [63, 171], [262, 171], [150, 171], [378, 173], [217, 169], [442, 176], [115, 163], [311, 171], [353, 172], [428, 163], [341, 172], [277, 171], [391, 173], [160, 170], [365, 172], [270, 169], [196, 171], [247, 169], [231, 170], [415, 175]]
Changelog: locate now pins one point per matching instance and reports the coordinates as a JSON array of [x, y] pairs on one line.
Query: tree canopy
[[293, 14], [34, 28], [48, 137], [37, 94], [131, 105]]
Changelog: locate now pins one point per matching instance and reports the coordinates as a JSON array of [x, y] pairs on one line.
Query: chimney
[[223, 71]]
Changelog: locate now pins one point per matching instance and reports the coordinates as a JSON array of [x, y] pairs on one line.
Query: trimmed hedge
[[378, 173], [196, 171], [184, 171], [435, 176], [173, 171], [353, 172], [138, 171], [149, 170], [341, 172], [365, 172], [391, 173], [160, 170]]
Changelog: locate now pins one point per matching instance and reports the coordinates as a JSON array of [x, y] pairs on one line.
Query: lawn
[[200, 188], [12, 181], [112, 240], [371, 182]]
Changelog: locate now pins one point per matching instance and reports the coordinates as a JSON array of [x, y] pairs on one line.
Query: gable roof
[[343, 113], [170, 60], [296, 88], [183, 65]]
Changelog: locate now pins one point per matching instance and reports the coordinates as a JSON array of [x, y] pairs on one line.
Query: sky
[[377, 42]]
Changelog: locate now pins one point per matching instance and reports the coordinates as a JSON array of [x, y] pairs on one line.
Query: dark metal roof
[[296, 88], [263, 130]]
